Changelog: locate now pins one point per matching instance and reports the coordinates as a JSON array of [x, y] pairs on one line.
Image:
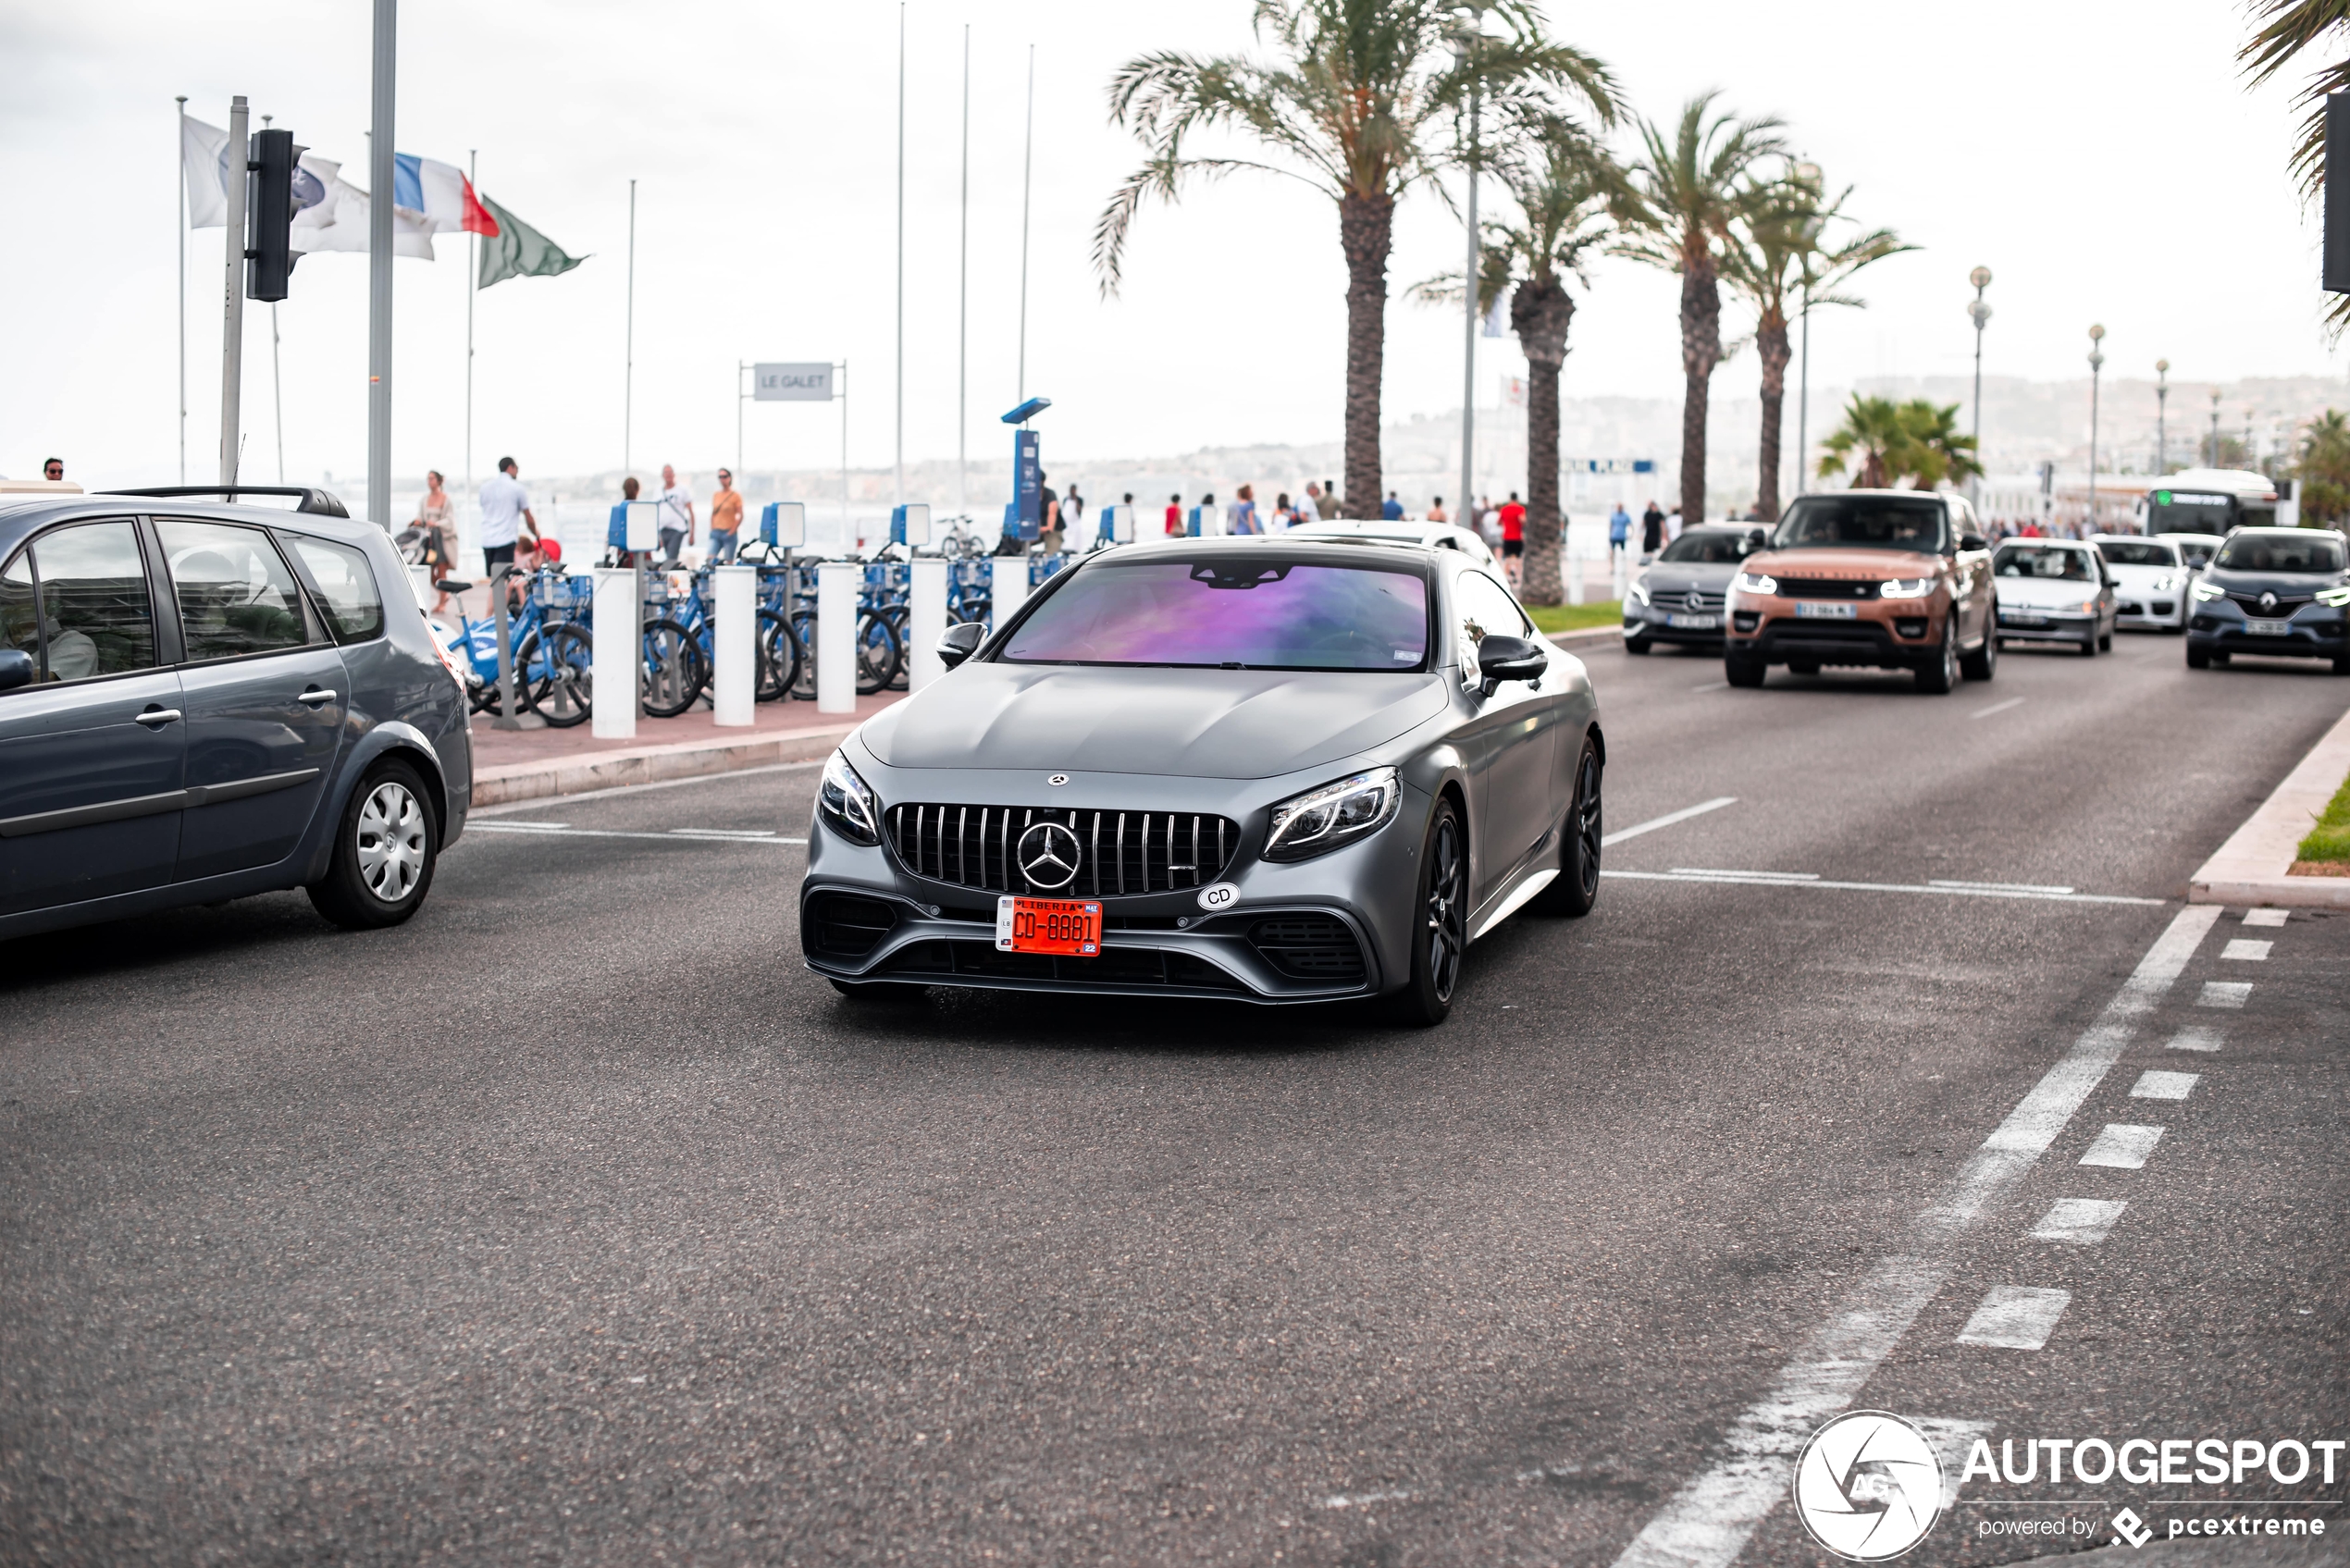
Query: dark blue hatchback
[[200, 700], [2281, 592]]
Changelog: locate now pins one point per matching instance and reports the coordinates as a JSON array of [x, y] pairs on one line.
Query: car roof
[[22, 516], [2284, 531], [1431, 536]]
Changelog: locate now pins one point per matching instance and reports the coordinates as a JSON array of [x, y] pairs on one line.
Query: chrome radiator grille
[[1120, 852]]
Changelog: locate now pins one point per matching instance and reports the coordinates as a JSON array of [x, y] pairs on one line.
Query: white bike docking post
[[1006, 589], [1570, 560], [613, 670], [734, 643], [925, 622], [836, 585]]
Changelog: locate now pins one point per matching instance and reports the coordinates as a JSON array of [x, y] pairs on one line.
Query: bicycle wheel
[[901, 621], [803, 684], [531, 674], [879, 654], [568, 695], [778, 656], [671, 670]]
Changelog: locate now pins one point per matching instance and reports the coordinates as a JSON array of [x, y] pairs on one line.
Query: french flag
[[440, 195]]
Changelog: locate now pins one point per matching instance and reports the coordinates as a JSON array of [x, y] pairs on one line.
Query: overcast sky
[[2106, 163]]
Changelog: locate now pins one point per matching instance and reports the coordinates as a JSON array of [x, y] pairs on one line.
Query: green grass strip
[[2330, 839], [1576, 617]]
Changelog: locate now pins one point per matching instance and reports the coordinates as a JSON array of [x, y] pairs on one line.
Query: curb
[[1589, 634], [2250, 868], [648, 764]]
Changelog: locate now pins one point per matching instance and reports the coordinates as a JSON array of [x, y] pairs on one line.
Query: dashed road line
[[675, 835], [1707, 1522], [2195, 1037], [2226, 995], [2247, 950], [1807, 878], [2015, 1318], [2083, 1222], [2155, 1084], [2264, 917], [1999, 887], [2122, 1146], [1998, 708], [1667, 821]]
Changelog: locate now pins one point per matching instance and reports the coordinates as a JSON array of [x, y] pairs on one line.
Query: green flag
[[519, 251]]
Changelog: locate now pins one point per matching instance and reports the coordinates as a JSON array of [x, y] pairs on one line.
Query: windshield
[[1868, 522], [2136, 552], [2197, 549], [1713, 548], [2043, 560], [1237, 611], [2282, 553], [2189, 511]]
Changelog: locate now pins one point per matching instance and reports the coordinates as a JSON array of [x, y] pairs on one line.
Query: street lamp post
[[2096, 365], [1809, 173], [1981, 312], [2215, 427], [2162, 412], [1465, 40]]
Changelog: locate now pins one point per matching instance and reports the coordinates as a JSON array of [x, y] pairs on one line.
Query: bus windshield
[[2190, 511]]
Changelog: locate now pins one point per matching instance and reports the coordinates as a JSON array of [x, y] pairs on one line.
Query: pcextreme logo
[[1867, 1485]]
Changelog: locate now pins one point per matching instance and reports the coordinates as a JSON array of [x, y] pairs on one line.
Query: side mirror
[[960, 641], [1973, 541], [1511, 659], [15, 669]]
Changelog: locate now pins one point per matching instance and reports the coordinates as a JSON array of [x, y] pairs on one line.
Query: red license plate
[[1068, 926]]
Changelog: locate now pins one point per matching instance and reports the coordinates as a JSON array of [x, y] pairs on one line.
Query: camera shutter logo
[[1047, 855], [1867, 1485]]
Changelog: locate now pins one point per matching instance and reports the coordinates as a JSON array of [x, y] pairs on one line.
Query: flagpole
[[963, 300], [628, 373], [901, 498], [181, 184], [380, 197], [232, 328], [1027, 162], [473, 173]]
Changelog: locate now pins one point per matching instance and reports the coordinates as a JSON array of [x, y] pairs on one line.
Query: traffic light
[[268, 233]]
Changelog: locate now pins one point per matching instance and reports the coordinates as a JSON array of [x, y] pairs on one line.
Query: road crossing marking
[[1707, 1522], [2226, 995], [1998, 708], [2156, 1084], [1667, 821], [2247, 950], [2122, 1147], [2015, 1318], [2264, 917], [1807, 878], [2195, 1037], [2083, 1222]]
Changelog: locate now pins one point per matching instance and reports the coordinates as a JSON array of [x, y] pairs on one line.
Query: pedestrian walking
[[1436, 511], [1048, 515], [1310, 509], [1330, 506], [616, 531], [1241, 516], [1651, 532], [1175, 514], [1391, 510], [725, 520], [1513, 539], [676, 516], [437, 546], [1073, 511], [505, 516], [1619, 534]]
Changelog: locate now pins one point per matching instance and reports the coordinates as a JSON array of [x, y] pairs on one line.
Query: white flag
[[339, 223], [1497, 317], [204, 160]]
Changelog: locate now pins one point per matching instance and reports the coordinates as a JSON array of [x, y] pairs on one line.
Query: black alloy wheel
[[1439, 934], [1577, 887], [1942, 676]]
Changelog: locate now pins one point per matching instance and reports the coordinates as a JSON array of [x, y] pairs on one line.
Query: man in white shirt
[[677, 516], [505, 511]]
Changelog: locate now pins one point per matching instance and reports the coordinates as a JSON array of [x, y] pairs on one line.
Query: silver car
[[1271, 770], [1682, 595], [2054, 590]]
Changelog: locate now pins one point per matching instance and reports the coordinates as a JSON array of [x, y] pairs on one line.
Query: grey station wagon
[[200, 700]]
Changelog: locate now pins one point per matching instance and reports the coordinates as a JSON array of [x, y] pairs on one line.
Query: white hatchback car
[[1430, 536], [2150, 580]]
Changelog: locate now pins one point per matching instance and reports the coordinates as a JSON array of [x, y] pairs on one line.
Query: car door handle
[[155, 716], [316, 697]]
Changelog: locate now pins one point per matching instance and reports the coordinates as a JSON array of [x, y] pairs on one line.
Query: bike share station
[[795, 620]]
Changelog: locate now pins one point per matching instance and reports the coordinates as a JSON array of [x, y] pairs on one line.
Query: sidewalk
[[534, 762], [2253, 866]]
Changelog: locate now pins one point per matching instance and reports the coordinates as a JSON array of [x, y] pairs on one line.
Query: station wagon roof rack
[[318, 504]]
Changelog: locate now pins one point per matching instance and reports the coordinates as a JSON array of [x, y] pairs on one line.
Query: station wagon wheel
[[1439, 925]]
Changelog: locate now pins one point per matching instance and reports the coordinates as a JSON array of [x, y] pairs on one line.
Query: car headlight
[[1907, 587], [2334, 599], [845, 801], [1754, 583], [2206, 592], [2087, 606], [1321, 820], [1638, 592]]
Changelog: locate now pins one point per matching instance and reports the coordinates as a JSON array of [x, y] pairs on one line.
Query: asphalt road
[[575, 1222]]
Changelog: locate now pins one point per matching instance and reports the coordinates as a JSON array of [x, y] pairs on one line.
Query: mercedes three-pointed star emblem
[[1047, 855]]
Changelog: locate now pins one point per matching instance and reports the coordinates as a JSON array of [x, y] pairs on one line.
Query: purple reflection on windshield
[[1230, 609]]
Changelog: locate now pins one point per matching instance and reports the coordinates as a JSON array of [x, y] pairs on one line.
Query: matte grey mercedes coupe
[[1265, 770]]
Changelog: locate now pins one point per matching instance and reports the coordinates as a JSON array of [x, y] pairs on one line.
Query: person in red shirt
[[1175, 515], [1513, 537]]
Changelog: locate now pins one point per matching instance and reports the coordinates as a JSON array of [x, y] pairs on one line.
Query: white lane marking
[[528, 827], [2264, 917], [1769, 879], [1667, 821], [2247, 950], [1707, 1522], [754, 834], [533, 830], [1998, 708], [2195, 1037], [2226, 995], [2083, 1222], [2122, 1147], [1998, 886], [1745, 876], [1364, 1500], [2015, 1318], [545, 802], [1712, 686], [2156, 1084]]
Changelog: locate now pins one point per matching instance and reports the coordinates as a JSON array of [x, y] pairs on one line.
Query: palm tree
[[1779, 248], [1358, 102], [1937, 453], [1690, 188], [1880, 442], [2324, 471], [2288, 27]]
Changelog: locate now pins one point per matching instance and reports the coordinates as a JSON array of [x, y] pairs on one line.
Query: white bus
[[2209, 501]]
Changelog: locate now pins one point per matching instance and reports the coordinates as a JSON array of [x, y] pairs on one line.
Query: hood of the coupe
[[1190, 723]]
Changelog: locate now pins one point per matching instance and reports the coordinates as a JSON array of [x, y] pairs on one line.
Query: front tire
[[1941, 677], [1636, 645], [386, 848], [1984, 662], [1439, 922], [2198, 657], [1743, 670], [1577, 887]]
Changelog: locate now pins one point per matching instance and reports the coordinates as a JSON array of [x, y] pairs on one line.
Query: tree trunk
[[1365, 232], [1770, 342], [1700, 351], [1540, 313]]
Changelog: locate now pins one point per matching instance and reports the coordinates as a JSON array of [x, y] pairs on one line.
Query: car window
[[1484, 609], [1240, 610], [2044, 560], [2137, 553], [1714, 546], [93, 616], [343, 577], [1865, 521], [2313, 552], [236, 594]]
